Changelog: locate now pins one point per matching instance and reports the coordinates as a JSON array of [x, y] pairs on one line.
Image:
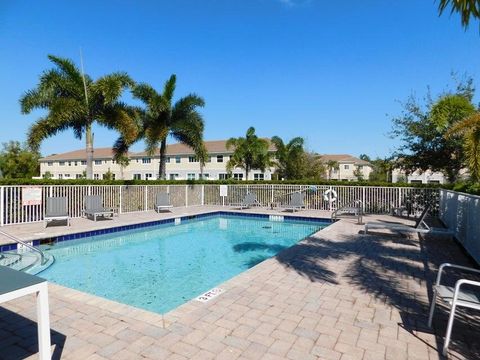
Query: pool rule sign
[[31, 195], [223, 193]]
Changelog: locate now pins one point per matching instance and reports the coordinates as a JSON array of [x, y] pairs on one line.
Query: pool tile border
[[84, 234]]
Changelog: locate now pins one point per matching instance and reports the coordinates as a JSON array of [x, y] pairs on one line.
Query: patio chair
[[162, 201], [296, 202], [455, 297], [56, 209], [94, 208], [419, 227], [249, 200]]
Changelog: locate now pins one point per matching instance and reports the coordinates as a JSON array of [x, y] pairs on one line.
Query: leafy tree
[[289, 157], [18, 162], [161, 118], [108, 175], [312, 167], [422, 130], [382, 170], [469, 130], [48, 175], [332, 165], [358, 173], [466, 8], [76, 102], [249, 153]]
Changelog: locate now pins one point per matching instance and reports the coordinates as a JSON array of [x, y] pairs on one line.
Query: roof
[[213, 147], [343, 158]]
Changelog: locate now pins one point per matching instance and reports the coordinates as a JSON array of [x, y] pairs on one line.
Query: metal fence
[[461, 214], [135, 198]]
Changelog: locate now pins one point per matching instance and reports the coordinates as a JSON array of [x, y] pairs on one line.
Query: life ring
[[330, 195]]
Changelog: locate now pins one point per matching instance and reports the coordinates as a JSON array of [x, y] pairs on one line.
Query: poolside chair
[[162, 201], [296, 202], [249, 200], [94, 207], [419, 227], [56, 209], [455, 297]]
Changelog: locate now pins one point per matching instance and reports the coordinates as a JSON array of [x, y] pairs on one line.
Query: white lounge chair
[[419, 227], [249, 200], [95, 208], [56, 209], [162, 201], [454, 297], [296, 202]]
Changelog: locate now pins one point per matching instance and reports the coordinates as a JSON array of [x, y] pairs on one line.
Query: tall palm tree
[[161, 118], [466, 8], [250, 152], [76, 102], [289, 157], [469, 129]]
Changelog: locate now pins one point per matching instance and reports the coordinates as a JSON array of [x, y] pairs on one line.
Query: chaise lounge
[[95, 208], [56, 209], [162, 201]]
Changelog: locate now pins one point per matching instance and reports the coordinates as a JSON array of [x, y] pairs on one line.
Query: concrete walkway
[[336, 295]]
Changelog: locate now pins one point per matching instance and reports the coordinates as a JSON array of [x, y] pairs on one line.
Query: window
[[191, 176], [192, 159], [238, 176], [113, 176], [258, 177], [223, 176], [148, 176], [69, 163], [415, 181], [168, 159], [50, 163], [434, 181], [346, 167], [96, 176], [76, 163], [137, 176], [84, 162], [146, 160], [78, 176], [360, 167], [61, 163], [60, 176], [209, 159], [177, 159], [173, 176], [66, 175], [205, 176], [98, 162], [219, 158]]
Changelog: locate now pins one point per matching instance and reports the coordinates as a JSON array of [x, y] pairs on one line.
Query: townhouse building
[[348, 167]]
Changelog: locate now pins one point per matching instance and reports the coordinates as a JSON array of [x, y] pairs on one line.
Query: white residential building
[[418, 177], [348, 167], [181, 164]]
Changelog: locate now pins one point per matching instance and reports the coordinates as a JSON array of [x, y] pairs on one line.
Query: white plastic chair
[[453, 297]]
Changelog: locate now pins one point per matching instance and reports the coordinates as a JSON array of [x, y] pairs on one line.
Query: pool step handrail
[[355, 207], [27, 245]]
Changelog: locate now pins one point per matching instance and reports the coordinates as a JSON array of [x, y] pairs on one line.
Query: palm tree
[[331, 165], [466, 8], [162, 118], [289, 157], [469, 129], [76, 102], [250, 152]]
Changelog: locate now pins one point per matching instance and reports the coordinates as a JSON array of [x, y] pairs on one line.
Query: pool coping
[[169, 220]]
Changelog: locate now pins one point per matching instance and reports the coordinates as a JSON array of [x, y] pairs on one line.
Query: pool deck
[[340, 294]]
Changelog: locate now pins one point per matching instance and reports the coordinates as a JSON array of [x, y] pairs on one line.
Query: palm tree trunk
[[162, 171], [89, 148]]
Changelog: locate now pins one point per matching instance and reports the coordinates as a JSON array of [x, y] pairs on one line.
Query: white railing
[[135, 198], [461, 213]]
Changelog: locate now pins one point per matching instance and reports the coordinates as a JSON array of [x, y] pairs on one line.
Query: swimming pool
[[160, 267]]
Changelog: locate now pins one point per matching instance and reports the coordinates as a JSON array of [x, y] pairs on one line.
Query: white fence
[[134, 198], [461, 214]]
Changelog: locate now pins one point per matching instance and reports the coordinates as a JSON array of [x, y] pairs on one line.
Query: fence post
[[363, 199], [186, 195], [146, 198], [2, 206], [271, 202], [120, 200], [203, 195], [330, 199]]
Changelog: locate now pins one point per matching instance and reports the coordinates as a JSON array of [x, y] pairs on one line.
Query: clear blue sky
[[326, 71]]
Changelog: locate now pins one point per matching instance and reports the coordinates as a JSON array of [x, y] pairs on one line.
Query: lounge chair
[[419, 227], [249, 200], [95, 208], [56, 209], [296, 202], [162, 201], [455, 296]]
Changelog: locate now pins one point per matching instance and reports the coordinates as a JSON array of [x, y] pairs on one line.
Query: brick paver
[[338, 295]]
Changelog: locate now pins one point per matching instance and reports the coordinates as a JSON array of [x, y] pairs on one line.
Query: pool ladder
[[16, 258]]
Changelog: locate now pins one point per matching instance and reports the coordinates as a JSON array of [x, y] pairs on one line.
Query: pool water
[[161, 267]]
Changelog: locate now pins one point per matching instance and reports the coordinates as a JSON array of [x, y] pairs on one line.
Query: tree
[[332, 165], [358, 173], [381, 170], [469, 130], [249, 152], [76, 102], [466, 8], [18, 162], [162, 118], [312, 167], [422, 128], [289, 157], [48, 175]]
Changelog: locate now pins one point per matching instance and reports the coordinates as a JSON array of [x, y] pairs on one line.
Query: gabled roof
[[343, 158], [98, 153]]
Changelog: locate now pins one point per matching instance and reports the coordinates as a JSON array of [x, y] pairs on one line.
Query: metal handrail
[[33, 248], [358, 205]]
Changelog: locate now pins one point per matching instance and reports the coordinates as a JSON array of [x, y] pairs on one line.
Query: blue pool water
[[160, 267]]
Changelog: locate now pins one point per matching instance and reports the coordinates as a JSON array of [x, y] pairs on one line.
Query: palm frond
[[169, 88], [466, 8], [111, 86], [67, 67]]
